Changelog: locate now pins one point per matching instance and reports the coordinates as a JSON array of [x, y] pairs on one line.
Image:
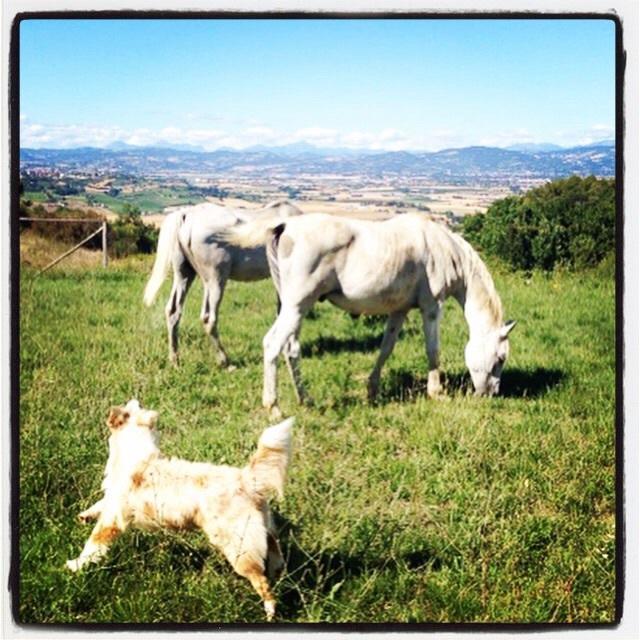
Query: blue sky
[[375, 84]]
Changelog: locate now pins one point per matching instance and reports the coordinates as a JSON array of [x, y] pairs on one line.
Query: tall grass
[[410, 510]]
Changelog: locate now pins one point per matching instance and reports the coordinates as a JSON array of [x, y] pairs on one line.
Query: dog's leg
[[275, 561], [92, 513], [97, 546], [253, 570]]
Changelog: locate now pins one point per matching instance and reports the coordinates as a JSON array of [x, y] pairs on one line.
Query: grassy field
[[148, 200], [412, 510]]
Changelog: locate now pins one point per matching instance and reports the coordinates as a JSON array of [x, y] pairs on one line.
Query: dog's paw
[[270, 609], [73, 565], [85, 516]]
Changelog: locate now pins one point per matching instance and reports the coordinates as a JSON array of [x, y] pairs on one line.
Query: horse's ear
[[506, 329], [117, 417]]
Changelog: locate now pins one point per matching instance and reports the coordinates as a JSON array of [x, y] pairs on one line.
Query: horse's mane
[[460, 260], [479, 281]]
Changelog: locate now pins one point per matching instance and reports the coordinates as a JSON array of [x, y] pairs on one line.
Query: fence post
[[104, 244]]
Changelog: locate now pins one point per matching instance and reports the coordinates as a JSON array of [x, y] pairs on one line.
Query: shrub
[[126, 235], [129, 234], [69, 233], [568, 222]]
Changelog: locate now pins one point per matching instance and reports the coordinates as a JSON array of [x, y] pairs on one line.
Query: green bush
[[125, 236], [568, 222], [67, 232], [129, 234]]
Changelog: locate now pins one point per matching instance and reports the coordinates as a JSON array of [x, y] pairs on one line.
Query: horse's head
[[485, 357]]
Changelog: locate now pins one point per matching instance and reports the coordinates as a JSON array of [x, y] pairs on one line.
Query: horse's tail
[[166, 242], [267, 468], [272, 258], [254, 233]]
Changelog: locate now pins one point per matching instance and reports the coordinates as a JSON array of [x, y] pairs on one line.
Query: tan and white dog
[[144, 489]]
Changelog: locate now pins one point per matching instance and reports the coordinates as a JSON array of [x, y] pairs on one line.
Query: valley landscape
[[450, 183]]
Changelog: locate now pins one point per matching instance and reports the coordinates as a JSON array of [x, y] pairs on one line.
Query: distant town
[[450, 183]]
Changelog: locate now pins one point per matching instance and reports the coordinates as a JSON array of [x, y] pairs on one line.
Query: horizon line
[[112, 146]]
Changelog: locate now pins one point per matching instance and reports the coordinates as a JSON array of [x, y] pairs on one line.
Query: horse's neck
[[479, 318]]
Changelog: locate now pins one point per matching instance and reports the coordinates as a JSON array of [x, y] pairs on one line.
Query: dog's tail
[[166, 243], [267, 469]]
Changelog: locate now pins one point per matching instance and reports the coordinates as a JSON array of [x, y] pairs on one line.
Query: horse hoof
[[275, 413], [230, 367]]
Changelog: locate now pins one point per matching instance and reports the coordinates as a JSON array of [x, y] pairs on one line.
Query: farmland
[[411, 510]]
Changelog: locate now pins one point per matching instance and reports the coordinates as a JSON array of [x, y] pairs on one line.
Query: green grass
[[412, 510], [36, 196]]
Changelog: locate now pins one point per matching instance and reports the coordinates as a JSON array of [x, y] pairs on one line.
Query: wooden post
[[104, 244], [64, 255]]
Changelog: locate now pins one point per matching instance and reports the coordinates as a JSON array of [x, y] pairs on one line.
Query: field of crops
[[411, 510]]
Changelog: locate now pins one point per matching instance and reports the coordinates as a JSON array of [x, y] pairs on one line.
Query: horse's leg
[[183, 275], [213, 291], [292, 358], [287, 324], [391, 332], [291, 354], [431, 323]]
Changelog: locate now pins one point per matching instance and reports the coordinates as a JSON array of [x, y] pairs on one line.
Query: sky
[[425, 84]]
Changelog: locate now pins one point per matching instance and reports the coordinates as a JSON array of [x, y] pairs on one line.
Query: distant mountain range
[[465, 164]]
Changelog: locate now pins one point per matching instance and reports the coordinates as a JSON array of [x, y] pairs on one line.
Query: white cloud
[[594, 133], [34, 134], [314, 133], [260, 132]]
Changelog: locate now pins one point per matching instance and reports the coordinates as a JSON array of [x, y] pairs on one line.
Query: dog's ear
[[117, 417], [147, 418]]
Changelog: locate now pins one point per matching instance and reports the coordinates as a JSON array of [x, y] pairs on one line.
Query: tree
[[568, 222]]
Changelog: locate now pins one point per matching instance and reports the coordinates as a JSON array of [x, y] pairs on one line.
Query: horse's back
[[385, 266], [201, 239], [362, 266]]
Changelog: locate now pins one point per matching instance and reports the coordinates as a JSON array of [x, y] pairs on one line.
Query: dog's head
[[132, 440], [131, 414]]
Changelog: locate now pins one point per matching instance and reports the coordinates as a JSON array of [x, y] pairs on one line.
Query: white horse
[[191, 239], [384, 267]]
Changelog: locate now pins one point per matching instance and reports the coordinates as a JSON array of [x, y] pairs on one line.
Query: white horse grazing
[[191, 239], [384, 267]]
